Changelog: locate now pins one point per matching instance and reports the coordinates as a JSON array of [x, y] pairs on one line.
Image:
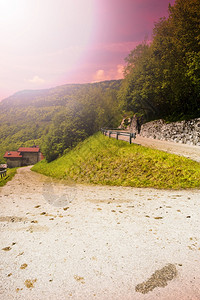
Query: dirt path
[[189, 151], [67, 241]]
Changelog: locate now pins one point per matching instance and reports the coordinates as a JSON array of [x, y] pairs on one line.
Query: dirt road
[[67, 241]]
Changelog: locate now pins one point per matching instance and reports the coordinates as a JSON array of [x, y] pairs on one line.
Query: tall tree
[[162, 79]]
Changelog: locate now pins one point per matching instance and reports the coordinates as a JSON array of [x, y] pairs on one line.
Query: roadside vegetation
[[10, 174], [100, 160]]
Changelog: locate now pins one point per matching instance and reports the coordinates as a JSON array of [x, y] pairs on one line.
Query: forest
[[161, 80]]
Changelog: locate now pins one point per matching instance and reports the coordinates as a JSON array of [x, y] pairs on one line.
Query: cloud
[[110, 74], [36, 80], [100, 75], [120, 71], [120, 47]]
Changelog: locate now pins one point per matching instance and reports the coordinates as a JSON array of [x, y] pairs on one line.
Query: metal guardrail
[[118, 133], [3, 173]]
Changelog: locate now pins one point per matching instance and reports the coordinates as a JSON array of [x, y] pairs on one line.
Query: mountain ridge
[[30, 95]]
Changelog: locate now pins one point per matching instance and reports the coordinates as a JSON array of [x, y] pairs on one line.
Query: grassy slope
[[10, 174], [100, 160]]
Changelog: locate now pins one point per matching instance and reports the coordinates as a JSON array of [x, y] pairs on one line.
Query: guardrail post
[[117, 135], [109, 134], [130, 137], [3, 173]]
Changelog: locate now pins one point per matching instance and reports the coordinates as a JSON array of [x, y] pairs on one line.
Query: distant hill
[[26, 116], [53, 96], [23, 97]]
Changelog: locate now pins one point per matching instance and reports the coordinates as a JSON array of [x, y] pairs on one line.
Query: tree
[[162, 79]]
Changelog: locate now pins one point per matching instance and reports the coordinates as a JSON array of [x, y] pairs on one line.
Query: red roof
[[15, 154], [29, 149]]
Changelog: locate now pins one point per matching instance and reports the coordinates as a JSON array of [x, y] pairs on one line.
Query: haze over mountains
[[56, 95]]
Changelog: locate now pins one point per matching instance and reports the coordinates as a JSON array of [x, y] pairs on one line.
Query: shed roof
[[29, 149], [13, 154]]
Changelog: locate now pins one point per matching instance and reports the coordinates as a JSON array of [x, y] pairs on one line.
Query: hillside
[[100, 160], [54, 96], [27, 116]]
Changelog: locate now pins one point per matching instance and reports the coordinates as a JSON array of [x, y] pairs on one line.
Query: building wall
[[29, 158], [14, 162], [41, 157]]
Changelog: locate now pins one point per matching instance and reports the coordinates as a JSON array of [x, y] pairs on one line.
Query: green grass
[[100, 160], [10, 174]]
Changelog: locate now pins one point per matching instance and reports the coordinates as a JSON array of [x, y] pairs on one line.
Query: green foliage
[[162, 79], [57, 118], [90, 110], [100, 160], [10, 174]]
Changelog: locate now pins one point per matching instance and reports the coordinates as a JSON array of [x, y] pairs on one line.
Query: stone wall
[[125, 123], [186, 132]]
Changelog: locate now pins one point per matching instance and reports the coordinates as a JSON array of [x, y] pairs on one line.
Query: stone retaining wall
[[186, 132]]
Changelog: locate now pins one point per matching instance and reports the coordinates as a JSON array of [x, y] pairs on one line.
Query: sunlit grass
[[10, 174], [100, 160]]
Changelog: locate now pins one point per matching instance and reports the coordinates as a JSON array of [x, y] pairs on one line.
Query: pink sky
[[46, 43]]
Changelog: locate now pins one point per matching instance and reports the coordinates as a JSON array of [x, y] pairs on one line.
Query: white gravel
[[96, 242]]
